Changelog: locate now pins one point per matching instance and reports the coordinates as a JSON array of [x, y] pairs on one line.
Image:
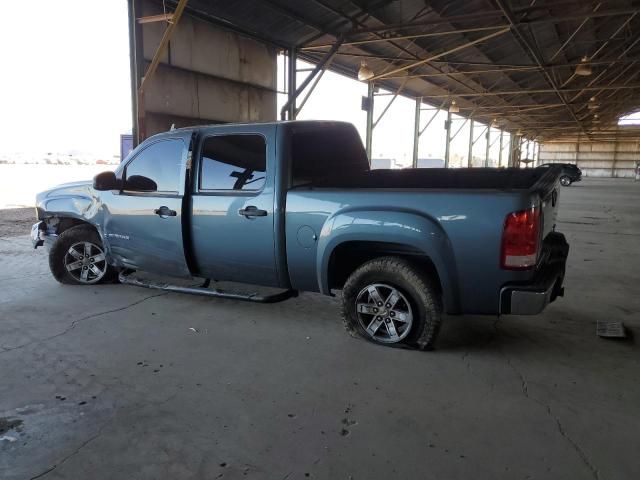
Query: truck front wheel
[[389, 301], [77, 257]]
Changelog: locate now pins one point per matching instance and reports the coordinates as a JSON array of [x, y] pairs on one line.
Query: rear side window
[[325, 155], [233, 162], [160, 162]]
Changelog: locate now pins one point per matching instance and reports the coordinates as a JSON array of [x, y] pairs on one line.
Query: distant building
[[431, 163], [384, 163]]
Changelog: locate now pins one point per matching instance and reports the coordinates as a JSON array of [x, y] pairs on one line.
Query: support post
[[470, 155], [291, 83], [316, 70], [136, 66], [486, 153], [447, 147], [369, 139], [416, 132], [500, 153]]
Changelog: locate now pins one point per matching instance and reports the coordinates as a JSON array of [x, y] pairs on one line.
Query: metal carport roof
[[512, 61]]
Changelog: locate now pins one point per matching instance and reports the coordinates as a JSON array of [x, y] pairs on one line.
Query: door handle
[[252, 211], [165, 212]]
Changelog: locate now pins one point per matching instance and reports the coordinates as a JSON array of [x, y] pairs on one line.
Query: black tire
[[565, 181], [413, 284], [60, 249]]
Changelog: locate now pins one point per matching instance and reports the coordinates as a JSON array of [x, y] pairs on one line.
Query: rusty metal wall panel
[[207, 75], [595, 159]]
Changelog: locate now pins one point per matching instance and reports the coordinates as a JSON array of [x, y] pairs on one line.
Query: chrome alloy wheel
[[384, 313], [86, 262], [565, 181]]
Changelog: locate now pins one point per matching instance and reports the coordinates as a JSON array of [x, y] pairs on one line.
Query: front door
[[143, 225], [232, 207]]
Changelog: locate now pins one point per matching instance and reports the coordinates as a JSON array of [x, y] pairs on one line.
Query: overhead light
[[494, 122], [365, 73], [453, 108], [584, 68], [596, 118], [592, 105]]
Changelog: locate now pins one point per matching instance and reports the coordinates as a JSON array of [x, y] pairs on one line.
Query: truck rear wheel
[[389, 301], [78, 258]]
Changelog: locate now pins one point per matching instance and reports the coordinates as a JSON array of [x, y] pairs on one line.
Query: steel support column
[[369, 139], [291, 83], [470, 155], [447, 146], [136, 64], [500, 153], [316, 70], [416, 132], [486, 153]]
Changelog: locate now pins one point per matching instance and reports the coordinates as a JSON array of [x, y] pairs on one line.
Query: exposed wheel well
[[350, 255], [60, 224]]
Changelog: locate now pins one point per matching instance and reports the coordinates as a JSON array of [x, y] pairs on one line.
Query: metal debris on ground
[[611, 329]]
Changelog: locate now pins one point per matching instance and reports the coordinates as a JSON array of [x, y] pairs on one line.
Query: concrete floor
[[121, 382]]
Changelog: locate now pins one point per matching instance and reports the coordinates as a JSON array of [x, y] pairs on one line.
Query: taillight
[[520, 240]]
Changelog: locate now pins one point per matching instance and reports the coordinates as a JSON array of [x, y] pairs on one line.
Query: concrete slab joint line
[[75, 322], [525, 391]]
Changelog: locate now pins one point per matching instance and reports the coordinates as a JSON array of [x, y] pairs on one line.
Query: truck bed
[[464, 178]]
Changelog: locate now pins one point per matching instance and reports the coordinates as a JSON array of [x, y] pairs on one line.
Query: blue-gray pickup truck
[[295, 206]]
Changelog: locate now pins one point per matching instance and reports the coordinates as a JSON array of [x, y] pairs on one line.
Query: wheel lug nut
[[91, 260], [387, 320], [388, 305], [375, 310], [379, 304]]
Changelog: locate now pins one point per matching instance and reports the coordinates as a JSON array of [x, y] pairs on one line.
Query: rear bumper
[[532, 297]]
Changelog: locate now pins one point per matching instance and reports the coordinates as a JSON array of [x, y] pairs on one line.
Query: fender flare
[[397, 226]]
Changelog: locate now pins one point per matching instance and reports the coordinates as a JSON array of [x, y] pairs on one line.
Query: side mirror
[[105, 181], [140, 183]]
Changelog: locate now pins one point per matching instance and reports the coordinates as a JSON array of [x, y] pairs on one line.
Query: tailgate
[[548, 189]]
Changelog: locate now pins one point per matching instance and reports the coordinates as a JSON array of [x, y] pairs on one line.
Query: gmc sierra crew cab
[[294, 205]]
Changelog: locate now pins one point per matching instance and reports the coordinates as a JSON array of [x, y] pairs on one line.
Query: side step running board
[[129, 279]]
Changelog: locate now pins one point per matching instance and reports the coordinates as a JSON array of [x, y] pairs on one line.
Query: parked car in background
[[569, 172], [296, 206]]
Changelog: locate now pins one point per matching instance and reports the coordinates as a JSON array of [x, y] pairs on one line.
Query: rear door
[[144, 228], [232, 224]]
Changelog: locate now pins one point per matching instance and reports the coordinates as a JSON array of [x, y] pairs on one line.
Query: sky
[[65, 80], [66, 89]]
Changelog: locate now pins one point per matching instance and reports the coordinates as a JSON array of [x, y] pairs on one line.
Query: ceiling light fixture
[[453, 108], [584, 68], [365, 73], [592, 105]]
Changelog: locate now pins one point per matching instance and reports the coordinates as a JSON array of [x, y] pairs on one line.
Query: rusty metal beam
[[442, 54], [407, 37], [162, 46], [163, 17]]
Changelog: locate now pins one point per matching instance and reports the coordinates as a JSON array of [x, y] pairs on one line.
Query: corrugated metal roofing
[[524, 76]]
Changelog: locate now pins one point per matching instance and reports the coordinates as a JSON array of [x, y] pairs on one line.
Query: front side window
[[233, 162], [160, 162]]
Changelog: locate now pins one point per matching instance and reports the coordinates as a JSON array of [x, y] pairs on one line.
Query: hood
[[74, 199]]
